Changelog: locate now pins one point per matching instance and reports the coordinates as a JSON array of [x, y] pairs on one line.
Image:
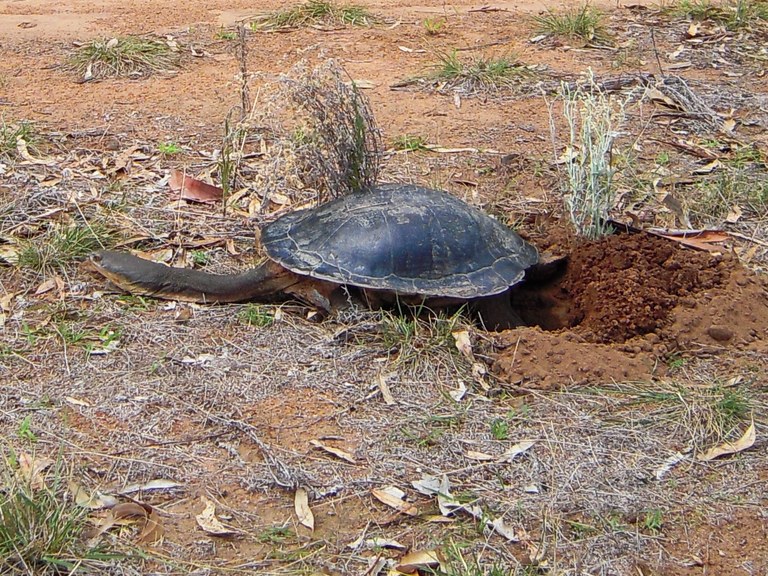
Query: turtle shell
[[402, 238]]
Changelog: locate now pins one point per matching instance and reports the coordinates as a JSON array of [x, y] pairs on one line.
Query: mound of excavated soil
[[625, 302]]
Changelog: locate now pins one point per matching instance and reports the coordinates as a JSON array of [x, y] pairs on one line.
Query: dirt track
[[642, 339]]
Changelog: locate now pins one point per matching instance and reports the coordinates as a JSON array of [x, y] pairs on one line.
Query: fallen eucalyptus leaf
[[746, 441], [338, 452], [428, 485], [481, 456], [157, 484], [93, 500], [418, 560], [31, 469], [516, 450], [393, 497], [208, 521], [303, 512]]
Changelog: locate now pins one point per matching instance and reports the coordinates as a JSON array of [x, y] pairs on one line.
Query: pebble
[[720, 333]]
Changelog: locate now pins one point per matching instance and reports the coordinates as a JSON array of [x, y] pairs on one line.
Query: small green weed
[[30, 334], [732, 407], [434, 26], [71, 335], [409, 143], [200, 258], [224, 34], [479, 74], [257, 315], [124, 56], [106, 339], [584, 23], [500, 429], [169, 148], [275, 535], [676, 362], [24, 431], [614, 523], [662, 158], [653, 521], [315, 12]]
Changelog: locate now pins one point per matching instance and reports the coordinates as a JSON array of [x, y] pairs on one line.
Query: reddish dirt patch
[[733, 545], [624, 303], [284, 420]]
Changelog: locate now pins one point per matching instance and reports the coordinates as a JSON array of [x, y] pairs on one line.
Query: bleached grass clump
[[593, 119]]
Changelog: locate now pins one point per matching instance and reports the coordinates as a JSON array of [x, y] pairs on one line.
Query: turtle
[[390, 241]]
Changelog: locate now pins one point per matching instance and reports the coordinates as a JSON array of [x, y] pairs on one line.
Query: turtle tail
[[142, 277]]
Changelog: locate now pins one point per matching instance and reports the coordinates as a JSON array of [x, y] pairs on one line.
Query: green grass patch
[[24, 430], [257, 315], [123, 56], [420, 342], [706, 414], [61, 245], [478, 74], [653, 521], [224, 34], [583, 23], [41, 529], [733, 15], [276, 535], [315, 13]]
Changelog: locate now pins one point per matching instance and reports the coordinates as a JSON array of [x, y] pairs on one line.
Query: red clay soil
[[623, 305]]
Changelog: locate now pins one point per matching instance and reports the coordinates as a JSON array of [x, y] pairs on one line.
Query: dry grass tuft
[[315, 134], [585, 23], [124, 56], [476, 75], [315, 13]]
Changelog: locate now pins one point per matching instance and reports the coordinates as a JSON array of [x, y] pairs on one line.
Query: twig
[[279, 470], [242, 53], [656, 52]]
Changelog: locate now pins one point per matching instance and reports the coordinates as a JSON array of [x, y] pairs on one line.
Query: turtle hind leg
[[495, 312]]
